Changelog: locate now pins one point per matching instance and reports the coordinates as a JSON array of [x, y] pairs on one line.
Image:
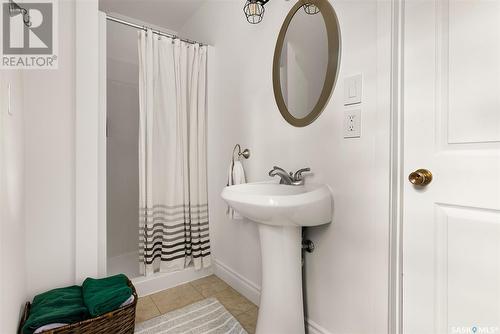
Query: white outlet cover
[[352, 123]]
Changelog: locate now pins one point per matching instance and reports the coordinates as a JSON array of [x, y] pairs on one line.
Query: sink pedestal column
[[281, 308]]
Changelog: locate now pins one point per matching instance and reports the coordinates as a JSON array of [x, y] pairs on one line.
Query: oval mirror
[[306, 61]]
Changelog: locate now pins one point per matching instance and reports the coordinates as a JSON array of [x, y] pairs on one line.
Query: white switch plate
[[9, 106], [353, 89], [352, 123]]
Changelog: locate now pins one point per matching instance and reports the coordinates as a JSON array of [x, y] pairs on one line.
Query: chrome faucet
[[293, 179], [285, 177]]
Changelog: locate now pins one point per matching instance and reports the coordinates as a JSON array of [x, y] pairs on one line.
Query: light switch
[[9, 102], [352, 123], [353, 88]]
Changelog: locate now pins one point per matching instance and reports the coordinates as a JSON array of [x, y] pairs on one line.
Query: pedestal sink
[[280, 212]]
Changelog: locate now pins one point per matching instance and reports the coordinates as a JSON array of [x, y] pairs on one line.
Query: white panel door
[[451, 228]]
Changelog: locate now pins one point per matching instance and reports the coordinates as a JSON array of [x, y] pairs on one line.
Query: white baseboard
[[314, 328], [244, 286], [252, 291], [146, 285]]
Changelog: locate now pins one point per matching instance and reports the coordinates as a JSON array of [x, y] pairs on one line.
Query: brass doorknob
[[420, 177]]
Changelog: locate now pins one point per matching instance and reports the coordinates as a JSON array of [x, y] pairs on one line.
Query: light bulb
[[253, 9]]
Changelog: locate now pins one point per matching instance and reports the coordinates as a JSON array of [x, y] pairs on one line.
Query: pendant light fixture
[[254, 10], [16, 9], [311, 9]]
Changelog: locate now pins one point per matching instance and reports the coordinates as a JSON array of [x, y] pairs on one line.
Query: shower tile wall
[[122, 151]]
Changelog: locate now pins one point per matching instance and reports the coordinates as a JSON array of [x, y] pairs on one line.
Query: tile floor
[[211, 286]]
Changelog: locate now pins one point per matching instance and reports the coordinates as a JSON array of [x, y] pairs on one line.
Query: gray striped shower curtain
[[173, 225]]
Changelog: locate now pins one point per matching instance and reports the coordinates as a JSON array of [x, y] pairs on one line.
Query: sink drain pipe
[[307, 246]]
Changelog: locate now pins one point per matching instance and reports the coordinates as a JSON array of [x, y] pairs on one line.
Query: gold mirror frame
[[334, 48]]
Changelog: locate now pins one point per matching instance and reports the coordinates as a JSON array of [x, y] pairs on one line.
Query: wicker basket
[[120, 321]]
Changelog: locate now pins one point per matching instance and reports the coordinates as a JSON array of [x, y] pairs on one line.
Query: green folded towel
[[105, 294], [64, 305]]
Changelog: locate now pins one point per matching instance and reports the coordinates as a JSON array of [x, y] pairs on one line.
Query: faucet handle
[[298, 174]]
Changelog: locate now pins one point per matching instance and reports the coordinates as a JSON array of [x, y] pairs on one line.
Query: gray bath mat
[[207, 316]]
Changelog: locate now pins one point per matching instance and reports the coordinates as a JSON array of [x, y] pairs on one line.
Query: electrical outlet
[[352, 123]]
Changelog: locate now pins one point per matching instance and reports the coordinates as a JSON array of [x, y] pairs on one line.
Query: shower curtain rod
[[155, 31]]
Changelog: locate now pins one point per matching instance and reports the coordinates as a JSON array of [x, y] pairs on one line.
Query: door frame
[[90, 143], [396, 200]]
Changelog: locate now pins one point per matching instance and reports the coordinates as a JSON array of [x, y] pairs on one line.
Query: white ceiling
[[170, 14]]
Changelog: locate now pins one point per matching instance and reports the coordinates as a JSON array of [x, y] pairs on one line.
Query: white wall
[[12, 223], [38, 179], [346, 276], [50, 165]]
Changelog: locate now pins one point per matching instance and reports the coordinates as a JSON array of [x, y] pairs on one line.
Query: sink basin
[[280, 212], [279, 204]]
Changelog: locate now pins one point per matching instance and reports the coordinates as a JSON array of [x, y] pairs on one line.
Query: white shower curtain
[[172, 154]]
